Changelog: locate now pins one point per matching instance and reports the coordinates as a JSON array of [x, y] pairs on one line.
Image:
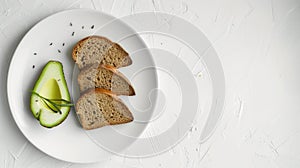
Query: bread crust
[[78, 45], [114, 71], [84, 66], [109, 93]]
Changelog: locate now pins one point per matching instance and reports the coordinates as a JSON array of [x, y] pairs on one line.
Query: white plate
[[53, 39]]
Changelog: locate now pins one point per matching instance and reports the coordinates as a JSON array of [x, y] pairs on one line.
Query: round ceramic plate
[[53, 39]]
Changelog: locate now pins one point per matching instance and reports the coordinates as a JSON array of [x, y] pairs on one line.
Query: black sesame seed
[[34, 53], [59, 51], [73, 33], [51, 44], [92, 27], [71, 24], [36, 100], [33, 66], [63, 44], [82, 27]]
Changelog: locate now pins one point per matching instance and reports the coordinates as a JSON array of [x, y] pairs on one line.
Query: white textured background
[[258, 42]]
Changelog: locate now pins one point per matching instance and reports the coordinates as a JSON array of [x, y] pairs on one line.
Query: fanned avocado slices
[[50, 85]]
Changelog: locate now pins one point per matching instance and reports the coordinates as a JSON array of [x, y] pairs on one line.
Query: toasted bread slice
[[99, 107], [98, 49], [105, 77]]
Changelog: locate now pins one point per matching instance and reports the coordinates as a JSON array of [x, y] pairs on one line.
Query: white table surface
[[258, 44]]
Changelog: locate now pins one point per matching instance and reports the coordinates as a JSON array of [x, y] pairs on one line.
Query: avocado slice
[[51, 84]]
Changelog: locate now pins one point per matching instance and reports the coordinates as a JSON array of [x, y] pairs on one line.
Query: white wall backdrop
[[258, 43]]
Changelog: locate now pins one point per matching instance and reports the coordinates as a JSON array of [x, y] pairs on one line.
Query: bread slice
[[98, 49], [105, 77], [99, 107]]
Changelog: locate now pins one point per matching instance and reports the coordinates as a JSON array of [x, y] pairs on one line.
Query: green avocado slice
[[51, 84]]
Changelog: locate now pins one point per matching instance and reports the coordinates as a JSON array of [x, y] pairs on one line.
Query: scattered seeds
[[92, 27], [51, 44], [59, 51], [63, 44], [34, 53], [33, 66], [71, 24], [82, 27], [73, 33]]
